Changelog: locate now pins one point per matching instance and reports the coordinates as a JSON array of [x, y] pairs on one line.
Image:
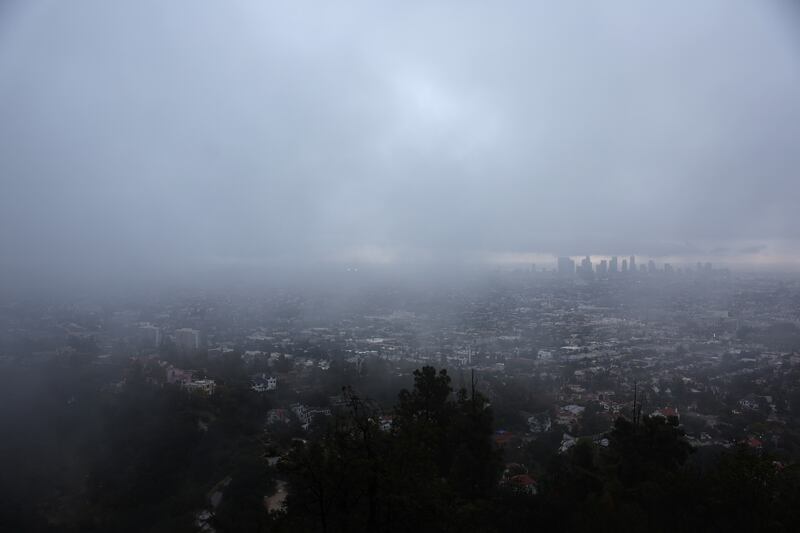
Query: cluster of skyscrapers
[[609, 268]]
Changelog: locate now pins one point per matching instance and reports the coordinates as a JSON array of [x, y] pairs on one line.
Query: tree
[[436, 461], [423, 415], [476, 465]]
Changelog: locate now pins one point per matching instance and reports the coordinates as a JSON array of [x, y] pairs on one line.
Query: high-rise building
[[624, 266], [566, 266], [651, 266], [149, 336], [187, 340], [586, 265], [612, 266], [668, 268], [602, 268], [586, 270], [632, 264]]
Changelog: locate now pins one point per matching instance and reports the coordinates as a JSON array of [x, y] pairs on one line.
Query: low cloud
[[142, 136]]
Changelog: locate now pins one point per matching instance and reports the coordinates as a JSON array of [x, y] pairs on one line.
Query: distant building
[[667, 412], [632, 264], [624, 266], [754, 442], [502, 438], [612, 266], [516, 478], [385, 422], [586, 270], [523, 484], [306, 415], [567, 442], [254, 356], [651, 266], [275, 416], [602, 268], [149, 336], [219, 351], [302, 414], [187, 340], [566, 266], [539, 423], [177, 376], [201, 386], [263, 383]]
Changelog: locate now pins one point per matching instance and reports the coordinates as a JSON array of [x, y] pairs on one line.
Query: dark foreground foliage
[[437, 470], [148, 458]]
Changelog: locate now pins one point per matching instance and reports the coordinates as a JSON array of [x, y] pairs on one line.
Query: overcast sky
[[156, 135]]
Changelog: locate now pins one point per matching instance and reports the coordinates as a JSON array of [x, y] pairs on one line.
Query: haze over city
[[392, 267]]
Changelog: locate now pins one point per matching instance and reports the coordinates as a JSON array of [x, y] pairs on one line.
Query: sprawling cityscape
[[399, 267], [557, 354]]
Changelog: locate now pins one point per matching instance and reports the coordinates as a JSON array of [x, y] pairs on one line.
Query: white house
[[264, 383], [202, 386]]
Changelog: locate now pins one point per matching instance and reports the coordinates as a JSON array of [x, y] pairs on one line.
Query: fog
[[176, 139], [399, 266]]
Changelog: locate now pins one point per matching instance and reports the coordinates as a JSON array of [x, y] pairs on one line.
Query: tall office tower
[[632, 264], [667, 268], [187, 340], [149, 336], [651, 266], [566, 266], [602, 268], [586, 271], [624, 266], [612, 266]]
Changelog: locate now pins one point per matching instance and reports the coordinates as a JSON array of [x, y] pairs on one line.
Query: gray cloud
[[754, 249], [153, 135]]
